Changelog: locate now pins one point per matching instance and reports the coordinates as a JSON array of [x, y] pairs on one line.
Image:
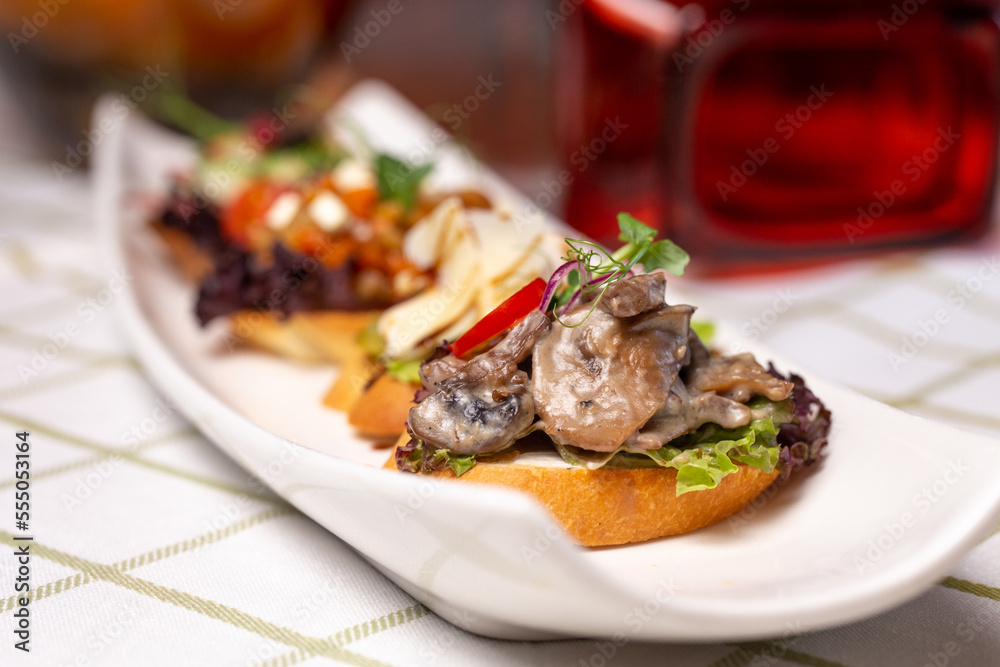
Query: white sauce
[[546, 459]]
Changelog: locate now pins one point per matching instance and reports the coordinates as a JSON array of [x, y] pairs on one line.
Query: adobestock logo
[[31, 25], [363, 35], [786, 127], [900, 15], [914, 169], [927, 329], [634, 620], [120, 109], [922, 502], [705, 34], [581, 159], [87, 311], [460, 111]]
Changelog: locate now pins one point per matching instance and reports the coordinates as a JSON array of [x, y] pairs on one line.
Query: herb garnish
[[590, 268], [399, 181]]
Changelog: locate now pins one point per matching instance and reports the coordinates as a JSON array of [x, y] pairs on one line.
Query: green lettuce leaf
[[370, 340], [583, 458], [704, 457], [405, 371], [413, 457], [458, 464], [705, 329]]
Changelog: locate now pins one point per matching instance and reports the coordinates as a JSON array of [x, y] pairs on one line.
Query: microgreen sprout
[[591, 269]]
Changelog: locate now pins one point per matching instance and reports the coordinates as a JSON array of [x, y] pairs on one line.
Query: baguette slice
[[613, 506], [376, 406], [382, 409], [310, 336], [353, 380]]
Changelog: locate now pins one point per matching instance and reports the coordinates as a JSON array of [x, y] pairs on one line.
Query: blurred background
[[755, 133]]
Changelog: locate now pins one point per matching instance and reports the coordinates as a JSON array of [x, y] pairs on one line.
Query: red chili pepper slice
[[500, 318]]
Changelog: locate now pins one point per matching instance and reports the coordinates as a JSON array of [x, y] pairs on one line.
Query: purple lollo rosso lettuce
[[199, 219], [289, 283], [803, 438]]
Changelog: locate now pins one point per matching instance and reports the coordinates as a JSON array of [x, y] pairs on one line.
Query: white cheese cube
[[283, 210], [328, 211], [350, 175]]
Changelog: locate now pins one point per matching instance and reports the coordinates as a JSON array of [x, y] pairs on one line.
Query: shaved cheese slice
[[507, 245], [427, 242], [404, 326], [481, 256]]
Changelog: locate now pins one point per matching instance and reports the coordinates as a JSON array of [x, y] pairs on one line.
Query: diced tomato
[[338, 250], [501, 318], [360, 202], [246, 212], [309, 240]]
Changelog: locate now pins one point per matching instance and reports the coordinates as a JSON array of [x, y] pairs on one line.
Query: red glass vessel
[[771, 133], [611, 72]]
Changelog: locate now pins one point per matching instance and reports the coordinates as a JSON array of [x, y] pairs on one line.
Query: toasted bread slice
[[353, 379], [382, 410], [332, 333], [612, 506], [310, 337], [376, 408]]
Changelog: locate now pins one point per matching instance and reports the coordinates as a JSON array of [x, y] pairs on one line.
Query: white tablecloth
[[152, 548]]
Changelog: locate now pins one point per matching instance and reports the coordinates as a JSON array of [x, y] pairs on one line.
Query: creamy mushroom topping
[[738, 377], [686, 410], [486, 403], [434, 371], [596, 384], [628, 298], [631, 373]]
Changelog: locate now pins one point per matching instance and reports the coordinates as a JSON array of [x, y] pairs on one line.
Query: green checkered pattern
[[153, 548]]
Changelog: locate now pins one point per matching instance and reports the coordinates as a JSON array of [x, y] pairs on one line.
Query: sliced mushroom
[[439, 368], [699, 355], [628, 298], [739, 378], [596, 384], [685, 411], [485, 403]]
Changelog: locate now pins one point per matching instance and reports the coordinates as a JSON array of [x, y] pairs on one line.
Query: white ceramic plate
[[897, 501]]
